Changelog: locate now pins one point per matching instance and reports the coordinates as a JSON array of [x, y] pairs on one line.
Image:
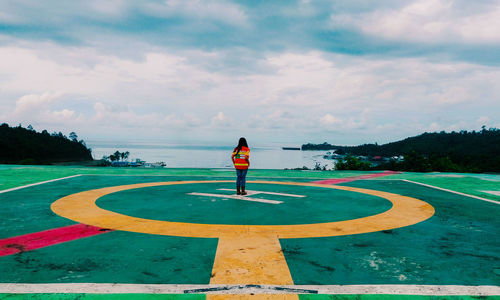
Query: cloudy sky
[[346, 72]]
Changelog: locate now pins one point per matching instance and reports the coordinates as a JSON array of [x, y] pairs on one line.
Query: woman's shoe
[[243, 191], [238, 190]]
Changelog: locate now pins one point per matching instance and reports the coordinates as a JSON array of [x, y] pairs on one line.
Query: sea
[[209, 156]]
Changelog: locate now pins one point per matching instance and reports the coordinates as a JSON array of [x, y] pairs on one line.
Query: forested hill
[[474, 150], [485, 142], [20, 145]]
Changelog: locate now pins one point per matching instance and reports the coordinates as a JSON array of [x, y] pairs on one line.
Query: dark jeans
[[241, 177]]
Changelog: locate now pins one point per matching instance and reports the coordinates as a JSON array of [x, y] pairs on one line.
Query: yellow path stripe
[[250, 259]]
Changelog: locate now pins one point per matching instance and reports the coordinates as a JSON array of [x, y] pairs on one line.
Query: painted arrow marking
[[249, 193], [237, 197]]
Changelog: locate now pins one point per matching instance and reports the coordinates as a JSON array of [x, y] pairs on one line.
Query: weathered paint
[[81, 207], [173, 203], [238, 289], [116, 257], [47, 238], [250, 259], [245, 254], [457, 246], [462, 248]]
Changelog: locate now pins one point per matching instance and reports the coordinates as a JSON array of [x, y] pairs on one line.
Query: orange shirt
[[241, 159]]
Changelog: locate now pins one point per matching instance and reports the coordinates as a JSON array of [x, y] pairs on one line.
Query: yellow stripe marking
[[250, 259]]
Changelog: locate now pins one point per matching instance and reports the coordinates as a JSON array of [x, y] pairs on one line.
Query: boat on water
[[329, 155], [290, 148]]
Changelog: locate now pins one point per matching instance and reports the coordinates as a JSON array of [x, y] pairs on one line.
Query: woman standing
[[241, 163]]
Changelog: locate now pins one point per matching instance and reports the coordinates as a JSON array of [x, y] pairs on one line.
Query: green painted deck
[[458, 245]]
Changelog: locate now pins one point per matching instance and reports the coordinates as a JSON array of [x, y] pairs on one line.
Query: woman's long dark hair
[[241, 143]]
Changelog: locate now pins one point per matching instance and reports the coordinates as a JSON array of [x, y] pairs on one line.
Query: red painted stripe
[[348, 179], [47, 238]]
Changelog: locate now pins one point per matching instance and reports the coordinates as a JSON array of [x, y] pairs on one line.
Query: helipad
[[183, 233]]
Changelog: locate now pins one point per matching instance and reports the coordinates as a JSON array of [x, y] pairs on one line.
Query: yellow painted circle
[[81, 207]]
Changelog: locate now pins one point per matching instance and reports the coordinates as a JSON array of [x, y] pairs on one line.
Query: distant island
[[20, 145], [464, 151]]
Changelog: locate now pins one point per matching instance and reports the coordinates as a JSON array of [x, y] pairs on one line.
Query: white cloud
[[185, 121], [38, 109], [64, 114], [120, 116], [428, 21], [34, 102], [103, 111], [221, 120], [328, 120], [298, 94], [434, 126], [356, 121]]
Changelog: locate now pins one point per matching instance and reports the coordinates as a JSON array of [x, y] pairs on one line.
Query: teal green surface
[[111, 257], [472, 184], [14, 176], [458, 245], [28, 210], [172, 203], [115, 257], [100, 296]]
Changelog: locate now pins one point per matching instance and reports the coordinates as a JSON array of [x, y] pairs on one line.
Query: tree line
[[464, 151], [117, 156], [20, 145]]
